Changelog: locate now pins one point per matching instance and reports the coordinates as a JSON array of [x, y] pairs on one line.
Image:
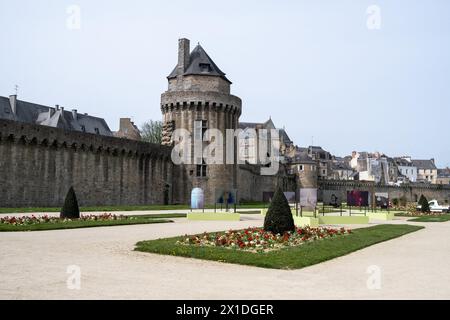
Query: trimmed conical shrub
[[423, 202], [279, 217], [70, 209]]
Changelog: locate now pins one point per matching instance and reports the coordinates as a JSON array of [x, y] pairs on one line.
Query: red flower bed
[[29, 220], [258, 240]]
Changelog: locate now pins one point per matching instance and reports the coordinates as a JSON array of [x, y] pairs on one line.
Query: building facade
[[426, 170], [443, 176], [406, 169]]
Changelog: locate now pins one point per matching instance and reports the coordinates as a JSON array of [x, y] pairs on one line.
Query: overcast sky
[[313, 66]]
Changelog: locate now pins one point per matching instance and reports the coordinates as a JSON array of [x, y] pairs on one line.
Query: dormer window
[[83, 128], [205, 67], [97, 131]]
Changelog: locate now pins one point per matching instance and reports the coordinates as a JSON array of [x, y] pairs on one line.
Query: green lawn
[[123, 208], [404, 214], [289, 258], [144, 219], [440, 218]]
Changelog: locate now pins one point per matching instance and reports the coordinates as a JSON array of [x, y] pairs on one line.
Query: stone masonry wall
[[252, 185], [412, 191], [38, 164]]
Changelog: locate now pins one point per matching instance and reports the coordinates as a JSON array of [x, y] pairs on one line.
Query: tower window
[[204, 127], [201, 169], [200, 127]]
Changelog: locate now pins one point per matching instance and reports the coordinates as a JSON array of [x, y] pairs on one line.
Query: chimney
[[74, 114], [432, 160], [123, 123], [57, 107], [50, 112], [183, 55], [13, 103]]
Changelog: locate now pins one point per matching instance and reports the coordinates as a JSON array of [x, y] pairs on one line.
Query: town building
[[341, 170], [128, 130], [443, 176], [426, 170], [407, 171], [57, 117], [371, 166]]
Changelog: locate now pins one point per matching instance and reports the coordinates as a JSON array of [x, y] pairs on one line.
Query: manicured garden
[[279, 244], [422, 212], [40, 223], [432, 218], [286, 252]]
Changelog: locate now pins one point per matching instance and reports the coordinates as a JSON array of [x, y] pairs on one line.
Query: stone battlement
[[25, 133], [195, 100], [369, 184], [411, 192]]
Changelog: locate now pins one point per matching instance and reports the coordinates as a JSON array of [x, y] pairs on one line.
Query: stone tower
[[198, 98]]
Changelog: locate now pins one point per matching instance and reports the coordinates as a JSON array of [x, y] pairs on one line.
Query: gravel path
[[33, 266]]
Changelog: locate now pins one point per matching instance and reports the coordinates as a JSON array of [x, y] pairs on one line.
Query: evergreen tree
[[424, 206], [279, 216], [70, 209]]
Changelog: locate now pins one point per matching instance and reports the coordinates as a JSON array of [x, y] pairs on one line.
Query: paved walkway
[[33, 265]]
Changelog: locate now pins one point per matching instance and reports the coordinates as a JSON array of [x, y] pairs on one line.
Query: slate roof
[[200, 64], [249, 125], [443, 173], [341, 165], [256, 125], [403, 162], [315, 148], [301, 156], [33, 113], [5, 109], [284, 136], [424, 164]]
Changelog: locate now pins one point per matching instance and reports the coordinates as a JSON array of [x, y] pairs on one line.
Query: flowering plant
[[258, 240], [30, 220], [412, 211]]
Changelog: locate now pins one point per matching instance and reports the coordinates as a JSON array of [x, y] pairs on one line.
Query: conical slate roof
[[200, 64]]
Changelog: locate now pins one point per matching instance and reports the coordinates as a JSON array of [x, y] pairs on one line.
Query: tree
[[151, 131], [423, 202], [70, 209], [279, 216]]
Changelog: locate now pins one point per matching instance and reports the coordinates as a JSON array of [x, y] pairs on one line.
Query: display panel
[[357, 198]]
